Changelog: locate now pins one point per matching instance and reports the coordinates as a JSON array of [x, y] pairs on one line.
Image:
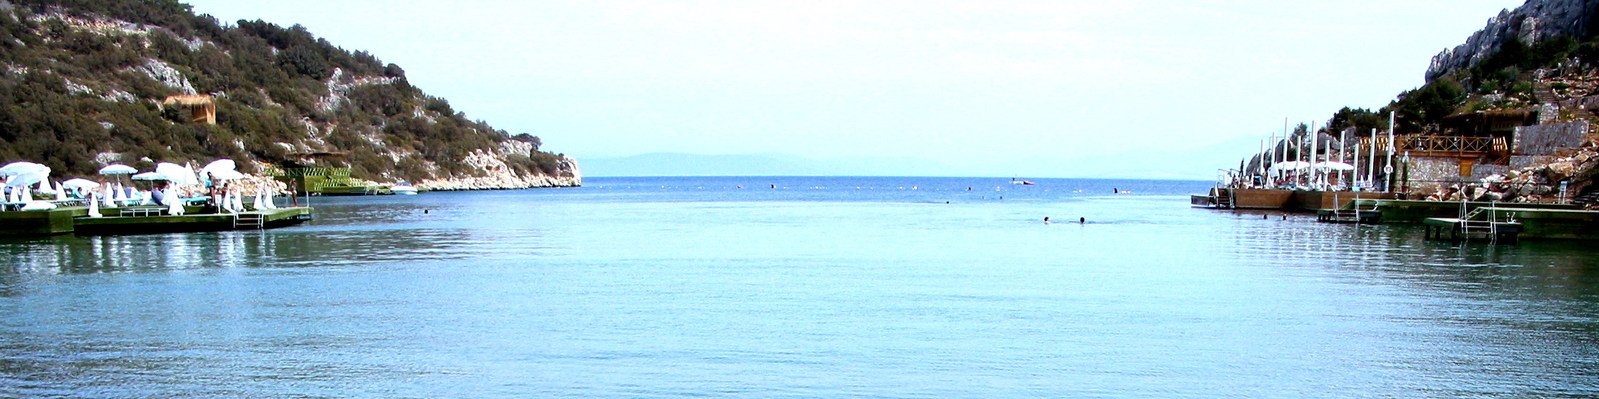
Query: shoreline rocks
[[1533, 184]]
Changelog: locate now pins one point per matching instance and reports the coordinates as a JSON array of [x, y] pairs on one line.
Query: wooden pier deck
[[1367, 216], [266, 218], [141, 220]]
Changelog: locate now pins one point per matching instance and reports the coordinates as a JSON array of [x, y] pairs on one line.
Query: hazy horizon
[[1067, 89]]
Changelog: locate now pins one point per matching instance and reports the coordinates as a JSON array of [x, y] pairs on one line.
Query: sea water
[[798, 287]]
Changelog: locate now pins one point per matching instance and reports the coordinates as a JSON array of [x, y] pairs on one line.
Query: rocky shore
[[1534, 184]]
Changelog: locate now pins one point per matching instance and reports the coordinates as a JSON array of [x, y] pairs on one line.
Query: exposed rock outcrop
[[1534, 184], [1534, 21]]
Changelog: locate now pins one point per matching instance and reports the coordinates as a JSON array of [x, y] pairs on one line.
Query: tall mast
[[1388, 167], [1343, 142], [1260, 161], [1354, 175], [1371, 160], [1315, 142], [1284, 155]]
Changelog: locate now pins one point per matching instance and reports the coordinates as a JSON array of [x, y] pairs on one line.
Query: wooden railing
[[1447, 144], [1439, 145]]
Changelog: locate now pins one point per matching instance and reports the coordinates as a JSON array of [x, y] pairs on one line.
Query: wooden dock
[[1349, 216], [1416, 211], [137, 220], [265, 218]]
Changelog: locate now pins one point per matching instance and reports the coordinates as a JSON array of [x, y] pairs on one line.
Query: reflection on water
[[163, 252], [824, 288]]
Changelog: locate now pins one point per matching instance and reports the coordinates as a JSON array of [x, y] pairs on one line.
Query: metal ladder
[[249, 220], [1491, 222]]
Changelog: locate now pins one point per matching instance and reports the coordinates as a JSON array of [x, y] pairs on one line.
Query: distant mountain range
[[1147, 166]]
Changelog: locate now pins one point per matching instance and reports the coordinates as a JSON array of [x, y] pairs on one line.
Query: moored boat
[[403, 188]]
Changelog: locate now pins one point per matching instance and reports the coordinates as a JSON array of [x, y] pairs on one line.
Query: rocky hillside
[[1540, 59], [84, 83], [1533, 22]]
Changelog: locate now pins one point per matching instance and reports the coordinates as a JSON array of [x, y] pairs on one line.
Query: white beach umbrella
[[174, 204], [94, 208], [105, 196], [177, 174], [238, 203], [217, 166], [23, 167], [80, 184], [119, 194], [271, 199], [224, 175], [26, 179], [146, 176], [44, 185], [61, 192], [118, 169], [256, 204], [146, 197]]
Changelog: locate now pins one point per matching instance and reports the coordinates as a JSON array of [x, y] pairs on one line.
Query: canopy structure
[[1290, 165], [1334, 166]]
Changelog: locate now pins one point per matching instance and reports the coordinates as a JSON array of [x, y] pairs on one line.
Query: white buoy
[[94, 208]]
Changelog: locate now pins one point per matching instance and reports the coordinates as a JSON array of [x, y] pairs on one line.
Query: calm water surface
[[797, 287]]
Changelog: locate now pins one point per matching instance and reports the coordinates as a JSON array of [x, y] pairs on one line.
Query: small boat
[[403, 188], [1021, 182]]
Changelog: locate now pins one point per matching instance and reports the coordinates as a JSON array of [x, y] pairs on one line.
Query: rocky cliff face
[[496, 174], [1534, 21]]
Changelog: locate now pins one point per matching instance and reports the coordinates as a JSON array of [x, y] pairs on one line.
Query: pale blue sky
[[1157, 89]]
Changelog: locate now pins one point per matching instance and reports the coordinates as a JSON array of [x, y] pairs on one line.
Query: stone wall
[[1445, 171], [1546, 139], [1434, 171]]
